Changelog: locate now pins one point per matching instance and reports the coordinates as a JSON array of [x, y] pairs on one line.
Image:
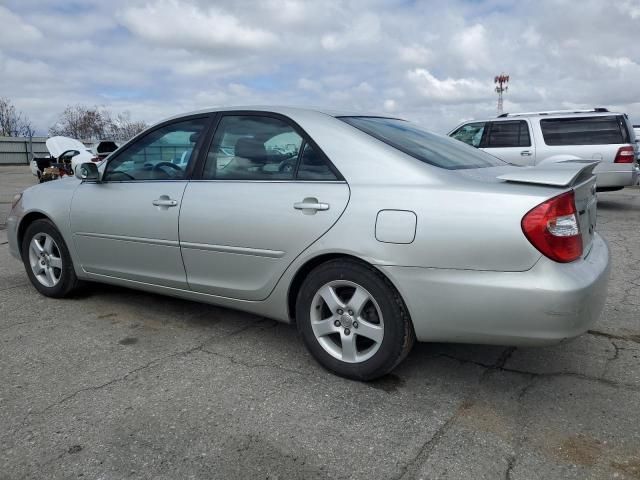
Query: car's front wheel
[[352, 320], [47, 260]]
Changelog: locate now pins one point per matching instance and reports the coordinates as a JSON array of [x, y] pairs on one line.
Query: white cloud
[[15, 31], [364, 30], [390, 105], [416, 55], [447, 90], [471, 46], [531, 37], [433, 62], [185, 25], [615, 62]]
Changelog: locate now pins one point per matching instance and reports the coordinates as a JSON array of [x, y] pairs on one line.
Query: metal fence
[[19, 150]]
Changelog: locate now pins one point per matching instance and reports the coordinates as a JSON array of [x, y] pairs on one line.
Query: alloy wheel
[[45, 259], [347, 321]]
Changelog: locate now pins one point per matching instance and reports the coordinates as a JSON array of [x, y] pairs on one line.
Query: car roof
[[551, 114], [281, 109]]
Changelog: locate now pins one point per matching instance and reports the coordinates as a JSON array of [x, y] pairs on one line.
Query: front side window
[[163, 154], [250, 147], [471, 133], [509, 134], [443, 152], [598, 130]]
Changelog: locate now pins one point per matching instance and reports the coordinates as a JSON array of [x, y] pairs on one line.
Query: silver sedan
[[367, 231]]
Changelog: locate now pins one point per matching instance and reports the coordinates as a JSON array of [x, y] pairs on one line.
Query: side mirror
[[88, 172]]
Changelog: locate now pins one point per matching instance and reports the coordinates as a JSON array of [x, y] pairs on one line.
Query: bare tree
[[12, 122], [81, 122], [94, 123], [123, 128]]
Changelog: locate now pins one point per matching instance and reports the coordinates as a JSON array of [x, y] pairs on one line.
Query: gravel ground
[[115, 383]]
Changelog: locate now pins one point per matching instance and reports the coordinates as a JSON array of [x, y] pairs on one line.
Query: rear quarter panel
[[456, 228]]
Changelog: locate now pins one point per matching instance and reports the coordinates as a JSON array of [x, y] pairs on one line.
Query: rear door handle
[[310, 205], [165, 202], [525, 153]]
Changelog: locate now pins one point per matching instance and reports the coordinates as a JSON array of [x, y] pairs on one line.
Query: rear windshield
[[443, 152], [601, 130]]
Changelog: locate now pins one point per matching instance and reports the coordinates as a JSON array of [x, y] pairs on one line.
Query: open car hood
[[58, 145], [561, 174]]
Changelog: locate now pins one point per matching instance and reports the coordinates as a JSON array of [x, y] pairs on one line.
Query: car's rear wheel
[[47, 260], [352, 320]]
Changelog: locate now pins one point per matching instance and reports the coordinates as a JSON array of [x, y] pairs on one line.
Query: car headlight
[[16, 199]]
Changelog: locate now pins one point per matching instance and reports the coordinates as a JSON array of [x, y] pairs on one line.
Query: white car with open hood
[[62, 150]]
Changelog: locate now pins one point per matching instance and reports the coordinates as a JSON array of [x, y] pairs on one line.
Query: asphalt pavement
[[115, 383]]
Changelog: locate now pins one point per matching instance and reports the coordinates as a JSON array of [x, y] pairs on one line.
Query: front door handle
[[525, 153], [310, 205], [165, 201]]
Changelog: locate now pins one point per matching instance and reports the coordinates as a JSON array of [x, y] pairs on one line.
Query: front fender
[[51, 200]]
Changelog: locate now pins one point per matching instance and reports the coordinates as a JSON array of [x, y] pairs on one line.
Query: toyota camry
[[366, 231]]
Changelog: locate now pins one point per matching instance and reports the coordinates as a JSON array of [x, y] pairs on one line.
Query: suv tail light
[[96, 159], [552, 227], [625, 155]]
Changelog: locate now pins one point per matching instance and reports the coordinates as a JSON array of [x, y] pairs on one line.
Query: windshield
[[440, 151]]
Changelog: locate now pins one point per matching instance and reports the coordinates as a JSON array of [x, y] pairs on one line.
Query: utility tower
[[501, 87]]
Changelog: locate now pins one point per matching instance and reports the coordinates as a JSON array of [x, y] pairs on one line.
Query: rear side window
[[313, 166], [256, 147], [249, 147], [601, 130], [509, 134], [443, 152]]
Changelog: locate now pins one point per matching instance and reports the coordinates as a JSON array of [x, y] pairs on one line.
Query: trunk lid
[[586, 203]]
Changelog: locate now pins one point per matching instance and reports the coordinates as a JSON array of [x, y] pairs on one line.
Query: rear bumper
[[546, 304], [616, 175]]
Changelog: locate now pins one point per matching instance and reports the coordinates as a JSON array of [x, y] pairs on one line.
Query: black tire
[[398, 338], [68, 281]]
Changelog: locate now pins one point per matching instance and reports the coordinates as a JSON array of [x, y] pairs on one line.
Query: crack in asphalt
[[151, 363], [101, 386], [612, 336], [519, 440], [236, 361], [581, 376], [7, 327], [409, 470], [13, 286]]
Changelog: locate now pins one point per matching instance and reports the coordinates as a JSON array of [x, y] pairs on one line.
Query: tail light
[[552, 227], [96, 159], [625, 155]]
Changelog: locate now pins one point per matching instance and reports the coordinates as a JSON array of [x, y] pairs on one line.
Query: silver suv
[[540, 137]]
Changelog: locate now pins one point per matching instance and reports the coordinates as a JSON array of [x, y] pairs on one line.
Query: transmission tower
[[501, 87]]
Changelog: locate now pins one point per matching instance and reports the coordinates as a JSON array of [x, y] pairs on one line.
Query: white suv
[[541, 137]]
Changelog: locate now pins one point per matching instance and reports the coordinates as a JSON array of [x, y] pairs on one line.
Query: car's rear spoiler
[[561, 174]]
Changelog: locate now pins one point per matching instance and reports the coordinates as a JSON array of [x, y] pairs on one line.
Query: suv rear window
[[443, 152], [600, 130]]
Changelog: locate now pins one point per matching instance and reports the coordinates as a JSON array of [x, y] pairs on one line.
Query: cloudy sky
[[429, 61]]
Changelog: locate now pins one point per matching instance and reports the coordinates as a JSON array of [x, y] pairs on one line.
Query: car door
[[510, 140], [126, 225], [266, 192]]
